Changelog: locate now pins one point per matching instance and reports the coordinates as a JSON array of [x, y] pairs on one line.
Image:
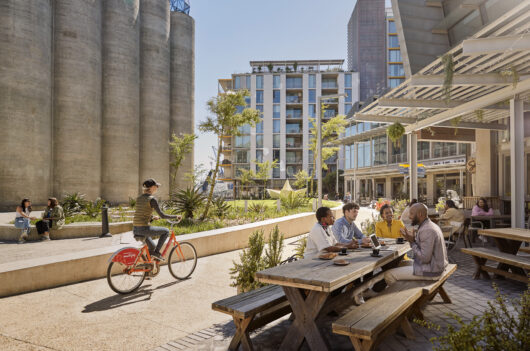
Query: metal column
[[517, 162], [412, 144]]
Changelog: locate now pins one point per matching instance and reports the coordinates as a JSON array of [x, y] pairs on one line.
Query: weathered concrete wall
[[182, 85], [25, 101], [155, 93], [77, 98], [120, 94]]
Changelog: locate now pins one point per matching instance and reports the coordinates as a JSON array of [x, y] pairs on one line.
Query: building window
[[237, 82], [242, 141], [276, 82], [276, 111], [462, 148], [276, 126], [294, 82], [348, 97], [312, 81], [347, 108], [259, 82], [329, 83], [443, 149], [347, 156], [260, 109], [238, 170], [379, 150], [312, 95], [276, 172], [248, 86], [259, 156], [394, 56], [242, 156], [423, 150], [393, 41], [396, 70], [259, 140], [259, 127], [399, 152], [391, 27], [276, 96], [312, 111], [276, 140], [394, 82], [259, 96], [363, 154], [294, 113], [276, 155], [244, 129], [347, 80]]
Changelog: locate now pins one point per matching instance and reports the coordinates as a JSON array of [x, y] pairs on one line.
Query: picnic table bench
[[508, 241], [367, 324], [252, 310]]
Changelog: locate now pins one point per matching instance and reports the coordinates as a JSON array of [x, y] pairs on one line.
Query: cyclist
[[145, 204]]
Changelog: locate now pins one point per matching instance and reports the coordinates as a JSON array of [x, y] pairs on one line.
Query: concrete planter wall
[[48, 272]]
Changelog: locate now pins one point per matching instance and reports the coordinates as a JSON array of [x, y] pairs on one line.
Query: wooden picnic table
[[508, 240], [308, 284], [491, 219]]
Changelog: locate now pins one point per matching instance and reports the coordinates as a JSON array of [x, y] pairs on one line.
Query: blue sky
[[230, 33]]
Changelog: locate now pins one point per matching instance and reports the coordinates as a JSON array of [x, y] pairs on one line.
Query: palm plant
[[293, 200], [73, 203], [92, 209], [221, 207], [257, 207], [186, 201]]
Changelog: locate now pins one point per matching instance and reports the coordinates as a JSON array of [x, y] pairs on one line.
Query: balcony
[[293, 128], [294, 114], [293, 98], [330, 113], [292, 170]]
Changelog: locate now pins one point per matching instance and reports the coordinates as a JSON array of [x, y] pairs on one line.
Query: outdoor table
[[492, 219], [309, 282], [508, 240]]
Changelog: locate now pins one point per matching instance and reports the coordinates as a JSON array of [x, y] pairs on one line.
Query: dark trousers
[[43, 226]]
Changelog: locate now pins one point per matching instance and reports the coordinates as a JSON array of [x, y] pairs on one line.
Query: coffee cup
[[400, 240], [375, 252], [343, 251]]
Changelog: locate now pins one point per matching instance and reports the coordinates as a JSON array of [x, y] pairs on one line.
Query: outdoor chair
[[473, 229]]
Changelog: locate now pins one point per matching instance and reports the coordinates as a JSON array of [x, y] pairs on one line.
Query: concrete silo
[[25, 101], [120, 100], [182, 84], [154, 93], [77, 97]]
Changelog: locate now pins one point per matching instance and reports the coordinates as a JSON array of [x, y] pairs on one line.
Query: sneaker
[[359, 300], [45, 238], [23, 238], [157, 256]]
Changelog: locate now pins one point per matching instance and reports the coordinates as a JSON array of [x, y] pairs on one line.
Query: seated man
[[345, 229], [430, 254], [321, 239]]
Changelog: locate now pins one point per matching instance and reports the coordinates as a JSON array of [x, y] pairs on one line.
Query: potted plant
[[270, 66], [395, 132]]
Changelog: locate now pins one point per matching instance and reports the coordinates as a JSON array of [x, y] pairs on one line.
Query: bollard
[[314, 205], [105, 222], [246, 206], [278, 205]]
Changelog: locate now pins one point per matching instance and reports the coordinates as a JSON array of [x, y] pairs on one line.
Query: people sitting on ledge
[[52, 218], [321, 239], [482, 208]]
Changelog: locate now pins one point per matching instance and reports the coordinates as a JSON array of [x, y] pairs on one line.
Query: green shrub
[[257, 207], [497, 329], [440, 206], [93, 209], [221, 207], [132, 202], [300, 247], [251, 260], [368, 225], [293, 200], [73, 203], [186, 201]]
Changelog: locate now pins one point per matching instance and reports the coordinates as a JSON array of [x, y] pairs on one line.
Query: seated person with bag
[[52, 218]]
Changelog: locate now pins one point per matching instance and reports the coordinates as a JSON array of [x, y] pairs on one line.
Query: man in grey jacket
[[430, 253]]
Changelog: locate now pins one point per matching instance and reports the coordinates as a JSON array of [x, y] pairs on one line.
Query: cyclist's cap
[[150, 182]]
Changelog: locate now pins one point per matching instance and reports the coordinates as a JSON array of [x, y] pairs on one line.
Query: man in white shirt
[[321, 238]]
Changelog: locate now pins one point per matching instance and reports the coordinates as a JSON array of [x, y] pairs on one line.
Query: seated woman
[[452, 215], [52, 218], [388, 227], [22, 219], [482, 208]]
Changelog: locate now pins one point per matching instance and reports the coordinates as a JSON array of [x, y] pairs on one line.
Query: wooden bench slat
[[449, 270], [252, 302], [377, 313], [503, 257]]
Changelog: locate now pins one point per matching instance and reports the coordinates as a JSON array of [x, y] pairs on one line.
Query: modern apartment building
[[287, 94], [374, 166]]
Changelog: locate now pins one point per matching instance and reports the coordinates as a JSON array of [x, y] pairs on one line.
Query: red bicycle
[[128, 267]]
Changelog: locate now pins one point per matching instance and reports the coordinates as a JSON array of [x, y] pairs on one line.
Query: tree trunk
[[212, 181]]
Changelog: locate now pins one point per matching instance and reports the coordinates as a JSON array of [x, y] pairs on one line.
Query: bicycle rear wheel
[[182, 262], [122, 281]]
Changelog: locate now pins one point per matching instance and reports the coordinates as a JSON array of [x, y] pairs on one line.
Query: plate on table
[[341, 262], [328, 256]]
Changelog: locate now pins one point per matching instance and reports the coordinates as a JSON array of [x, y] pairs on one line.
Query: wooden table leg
[[306, 311], [479, 261], [241, 336], [511, 247]]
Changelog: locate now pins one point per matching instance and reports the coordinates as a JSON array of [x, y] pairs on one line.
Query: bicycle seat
[[140, 238]]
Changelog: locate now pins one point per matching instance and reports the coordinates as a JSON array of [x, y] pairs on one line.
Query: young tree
[[179, 147], [245, 178], [301, 179], [226, 121], [263, 170], [330, 132]]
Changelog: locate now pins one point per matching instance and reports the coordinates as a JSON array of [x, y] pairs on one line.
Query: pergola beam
[[468, 107], [461, 79], [435, 104], [493, 45], [360, 117], [472, 125]]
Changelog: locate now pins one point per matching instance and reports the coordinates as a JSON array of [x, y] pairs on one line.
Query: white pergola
[[491, 82]]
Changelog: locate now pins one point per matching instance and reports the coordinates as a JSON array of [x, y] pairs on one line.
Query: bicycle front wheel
[[182, 260], [122, 280]]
